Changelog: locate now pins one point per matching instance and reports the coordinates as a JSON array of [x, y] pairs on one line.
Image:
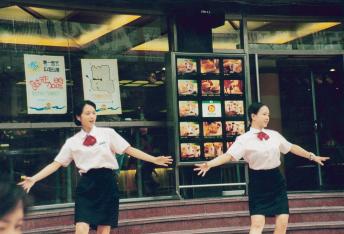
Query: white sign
[[45, 84], [101, 85], [211, 108]]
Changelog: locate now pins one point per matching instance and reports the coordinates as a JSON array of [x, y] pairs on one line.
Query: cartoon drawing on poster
[[101, 85], [45, 80]]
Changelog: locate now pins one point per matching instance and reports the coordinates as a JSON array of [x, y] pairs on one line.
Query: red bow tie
[[262, 135], [89, 140]]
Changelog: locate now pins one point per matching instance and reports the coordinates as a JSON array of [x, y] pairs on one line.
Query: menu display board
[[211, 104]]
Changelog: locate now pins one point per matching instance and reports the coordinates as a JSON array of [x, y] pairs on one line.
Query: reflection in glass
[[292, 35]]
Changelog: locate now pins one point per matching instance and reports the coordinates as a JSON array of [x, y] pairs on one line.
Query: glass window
[[26, 151], [295, 35], [227, 36], [134, 40], [231, 174], [138, 42]]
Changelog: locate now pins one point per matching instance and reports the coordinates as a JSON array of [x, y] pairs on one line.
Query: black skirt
[[267, 193], [97, 198]]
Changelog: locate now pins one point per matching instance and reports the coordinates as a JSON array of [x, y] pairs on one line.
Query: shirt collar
[[256, 131], [85, 134]]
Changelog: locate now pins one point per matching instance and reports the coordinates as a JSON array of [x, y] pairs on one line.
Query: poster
[[211, 108], [189, 129], [210, 99], [190, 150], [186, 66], [45, 84], [210, 87], [187, 87], [232, 66], [188, 108], [213, 149], [101, 85], [234, 108]]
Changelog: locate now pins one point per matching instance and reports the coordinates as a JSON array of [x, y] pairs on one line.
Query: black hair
[[78, 108], [254, 109], [10, 196]]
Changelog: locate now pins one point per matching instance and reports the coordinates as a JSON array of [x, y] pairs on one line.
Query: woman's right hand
[[27, 183], [202, 168]]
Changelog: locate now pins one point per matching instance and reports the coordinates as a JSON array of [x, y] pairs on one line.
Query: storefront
[[290, 58]]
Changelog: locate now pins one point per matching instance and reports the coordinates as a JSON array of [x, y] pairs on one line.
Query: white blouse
[[100, 155], [259, 154]]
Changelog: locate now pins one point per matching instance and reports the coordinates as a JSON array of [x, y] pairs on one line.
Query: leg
[[257, 224], [101, 229], [281, 224], [82, 228]]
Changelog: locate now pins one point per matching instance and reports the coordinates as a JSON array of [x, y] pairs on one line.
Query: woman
[[92, 150], [13, 206], [261, 149]]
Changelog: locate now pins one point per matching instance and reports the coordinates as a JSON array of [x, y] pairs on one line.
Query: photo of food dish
[[213, 149], [189, 129], [211, 108], [233, 87], [210, 66], [235, 128], [210, 87], [234, 108], [187, 87], [231, 66], [186, 66], [190, 150], [188, 108], [211, 129]]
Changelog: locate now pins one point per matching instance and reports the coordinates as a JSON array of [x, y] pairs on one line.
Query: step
[[333, 227], [134, 211], [66, 229], [297, 228], [167, 208], [224, 219]]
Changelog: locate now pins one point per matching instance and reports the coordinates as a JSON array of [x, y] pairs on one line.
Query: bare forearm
[[136, 153], [46, 171], [299, 151], [222, 159]]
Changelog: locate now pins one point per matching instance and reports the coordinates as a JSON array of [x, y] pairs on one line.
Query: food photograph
[[213, 149], [235, 128], [233, 87], [211, 66], [232, 66], [188, 108], [190, 150], [187, 87], [234, 108], [186, 66], [213, 128], [189, 129], [210, 87]]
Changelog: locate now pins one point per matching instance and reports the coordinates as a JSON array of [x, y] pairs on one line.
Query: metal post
[[316, 133]]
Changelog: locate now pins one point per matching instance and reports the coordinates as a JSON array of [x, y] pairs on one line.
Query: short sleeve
[[236, 150], [284, 145], [117, 143], [65, 155]]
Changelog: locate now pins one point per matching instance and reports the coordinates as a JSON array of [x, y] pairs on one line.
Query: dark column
[[194, 30]]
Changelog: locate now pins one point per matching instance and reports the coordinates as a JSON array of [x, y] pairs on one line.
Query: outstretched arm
[[299, 151], [161, 160], [203, 168], [28, 182]]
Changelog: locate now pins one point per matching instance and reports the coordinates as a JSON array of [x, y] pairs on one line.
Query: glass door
[[328, 80], [305, 96]]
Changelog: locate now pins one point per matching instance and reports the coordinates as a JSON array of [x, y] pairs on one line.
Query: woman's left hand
[[320, 160], [163, 160]]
